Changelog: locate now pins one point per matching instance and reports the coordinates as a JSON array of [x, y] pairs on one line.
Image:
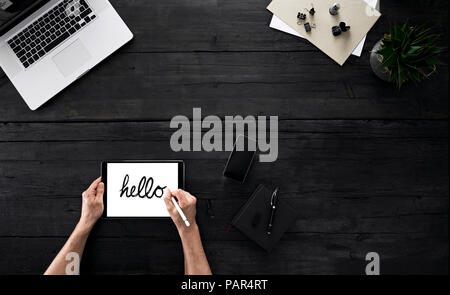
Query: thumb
[[100, 190]]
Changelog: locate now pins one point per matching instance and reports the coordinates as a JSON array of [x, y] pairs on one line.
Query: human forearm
[[75, 244], [195, 260], [91, 210]]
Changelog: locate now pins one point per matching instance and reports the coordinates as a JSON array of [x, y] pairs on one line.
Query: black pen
[[273, 206]]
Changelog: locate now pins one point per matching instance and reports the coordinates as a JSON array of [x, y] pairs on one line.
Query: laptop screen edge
[[6, 27]]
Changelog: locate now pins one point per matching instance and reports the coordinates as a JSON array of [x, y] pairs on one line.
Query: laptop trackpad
[[72, 58]]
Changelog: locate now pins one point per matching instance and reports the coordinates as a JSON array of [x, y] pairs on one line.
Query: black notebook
[[253, 218]]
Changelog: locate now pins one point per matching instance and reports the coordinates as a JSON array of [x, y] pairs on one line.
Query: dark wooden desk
[[366, 164]]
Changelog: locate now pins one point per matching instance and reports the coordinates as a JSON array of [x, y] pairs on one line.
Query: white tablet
[[135, 188]]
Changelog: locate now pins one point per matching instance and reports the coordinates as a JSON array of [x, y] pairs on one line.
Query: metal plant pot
[[375, 62]]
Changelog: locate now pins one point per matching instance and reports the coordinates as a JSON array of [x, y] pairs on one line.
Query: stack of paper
[[278, 23]]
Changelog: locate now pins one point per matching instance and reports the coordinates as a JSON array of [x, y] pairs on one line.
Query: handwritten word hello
[[142, 190]]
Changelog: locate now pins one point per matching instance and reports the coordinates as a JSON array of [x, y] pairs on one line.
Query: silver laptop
[[45, 45]]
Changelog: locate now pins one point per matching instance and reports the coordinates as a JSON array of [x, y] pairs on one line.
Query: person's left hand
[[92, 207]]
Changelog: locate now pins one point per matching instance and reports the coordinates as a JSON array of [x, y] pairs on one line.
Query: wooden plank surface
[[321, 254], [249, 68], [365, 163], [349, 179], [130, 86]]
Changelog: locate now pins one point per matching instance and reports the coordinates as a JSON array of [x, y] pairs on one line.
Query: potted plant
[[407, 53]]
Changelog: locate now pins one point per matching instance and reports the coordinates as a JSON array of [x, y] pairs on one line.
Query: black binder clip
[[311, 11], [344, 27], [301, 16], [308, 27], [337, 30]]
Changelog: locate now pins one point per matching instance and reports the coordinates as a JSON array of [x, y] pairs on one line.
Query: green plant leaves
[[409, 53]]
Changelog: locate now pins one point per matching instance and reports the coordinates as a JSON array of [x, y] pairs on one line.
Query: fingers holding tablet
[[100, 190], [92, 205], [94, 184]]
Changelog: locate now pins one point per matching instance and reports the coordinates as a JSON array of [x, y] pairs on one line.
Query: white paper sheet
[[278, 24]]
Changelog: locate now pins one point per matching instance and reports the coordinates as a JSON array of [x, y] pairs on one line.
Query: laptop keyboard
[[50, 30]]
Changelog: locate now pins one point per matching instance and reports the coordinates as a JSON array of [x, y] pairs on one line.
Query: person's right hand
[[187, 203]]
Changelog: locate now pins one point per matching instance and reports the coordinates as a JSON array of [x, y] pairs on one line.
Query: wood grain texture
[[222, 56], [129, 86], [366, 165], [349, 179], [320, 254]]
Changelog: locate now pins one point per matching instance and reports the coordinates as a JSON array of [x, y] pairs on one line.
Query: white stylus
[[181, 212]]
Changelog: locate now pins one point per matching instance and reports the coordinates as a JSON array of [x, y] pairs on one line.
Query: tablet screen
[[136, 189]]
